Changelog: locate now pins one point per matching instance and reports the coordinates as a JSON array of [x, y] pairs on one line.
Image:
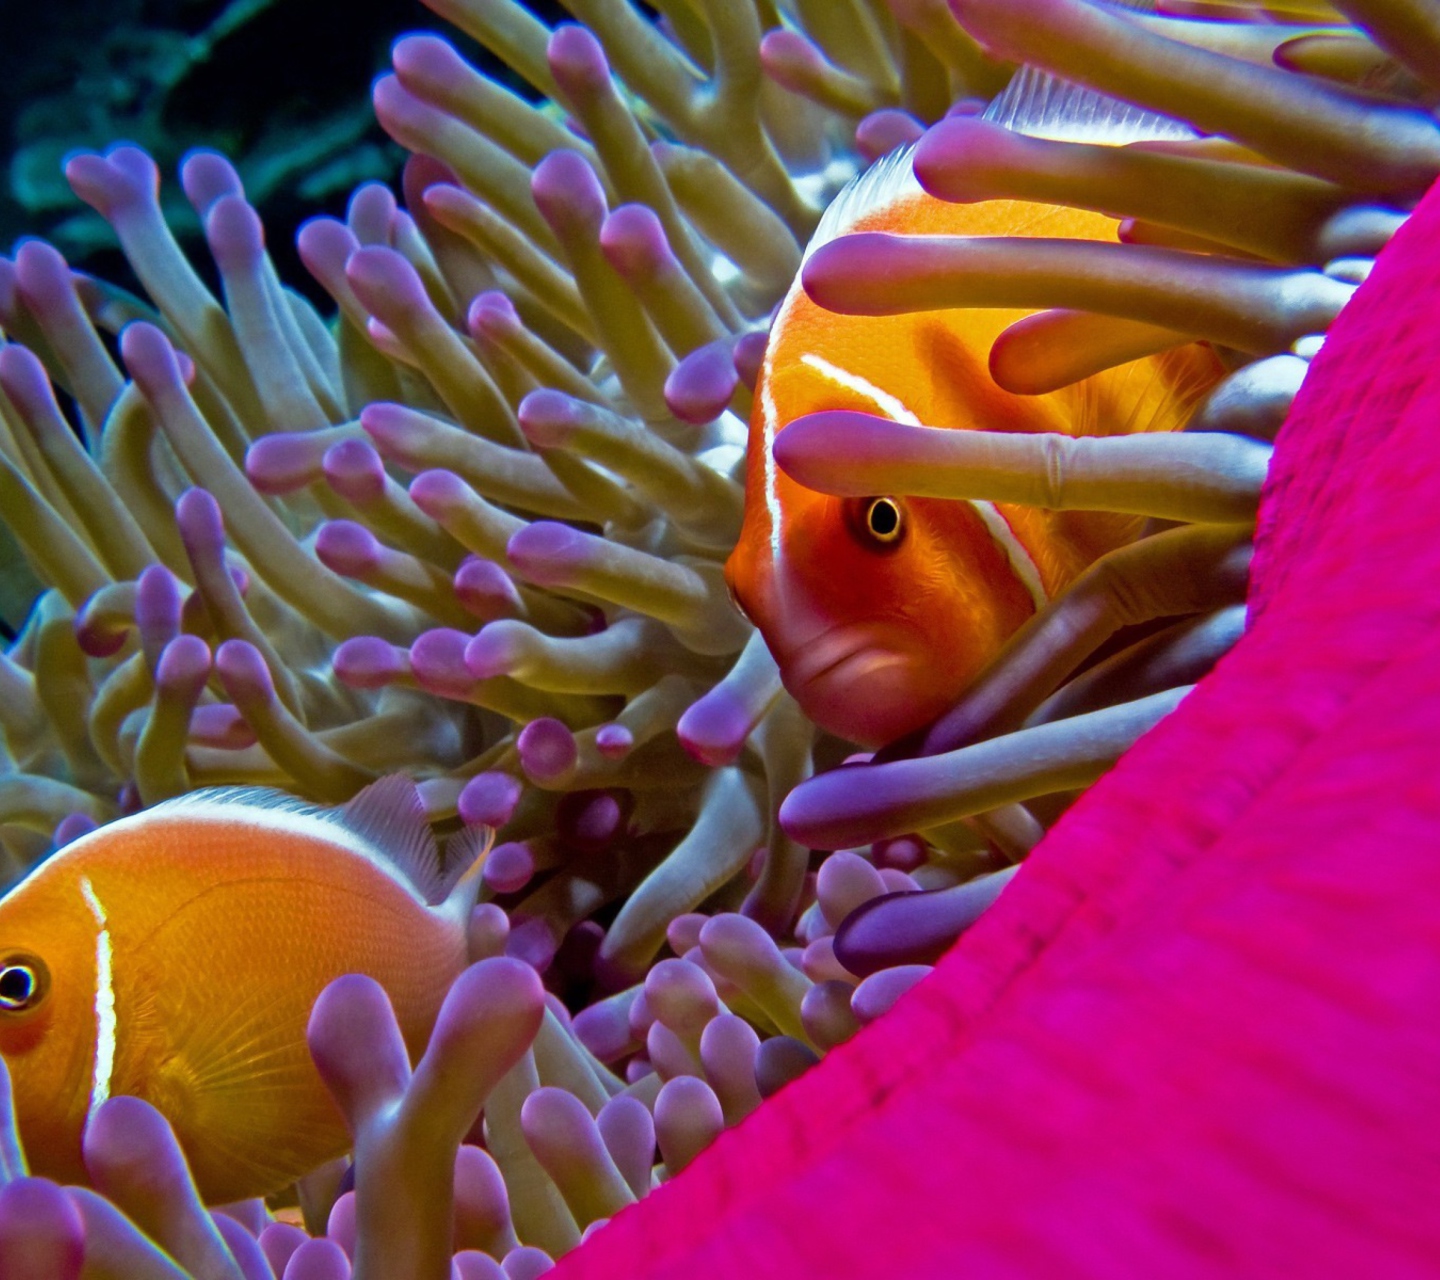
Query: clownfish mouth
[[856, 683]]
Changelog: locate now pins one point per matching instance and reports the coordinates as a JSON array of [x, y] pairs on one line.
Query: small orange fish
[[880, 611], [175, 955]]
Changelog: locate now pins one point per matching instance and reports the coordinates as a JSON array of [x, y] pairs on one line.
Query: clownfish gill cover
[[495, 693]]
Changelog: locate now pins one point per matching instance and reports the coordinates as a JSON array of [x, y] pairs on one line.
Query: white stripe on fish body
[[1021, 563], [106, 1020]]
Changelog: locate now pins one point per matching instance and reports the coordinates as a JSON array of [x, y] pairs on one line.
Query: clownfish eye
[[24, 983], [884, 521]]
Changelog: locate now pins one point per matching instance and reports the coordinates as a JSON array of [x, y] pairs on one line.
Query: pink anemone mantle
[[1200, 1033]]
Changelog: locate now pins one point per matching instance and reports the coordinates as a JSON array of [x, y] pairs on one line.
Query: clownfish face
[[51, 1016], [878, 611]]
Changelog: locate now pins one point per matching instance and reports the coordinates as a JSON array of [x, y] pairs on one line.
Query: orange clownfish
[[175, 955], [880, 611]]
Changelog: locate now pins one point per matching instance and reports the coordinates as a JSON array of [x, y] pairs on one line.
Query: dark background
[[279, 86]]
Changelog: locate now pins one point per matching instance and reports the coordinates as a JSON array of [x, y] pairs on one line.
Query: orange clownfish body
[[880, 611], [175, 956]]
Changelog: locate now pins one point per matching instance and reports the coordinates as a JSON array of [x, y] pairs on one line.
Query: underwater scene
[[820, 614]]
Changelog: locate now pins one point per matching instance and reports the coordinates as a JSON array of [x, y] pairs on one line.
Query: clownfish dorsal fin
[[1041, 105], [1045, 106], [384, 823], [465, 854], [889, 179], [389, 816]]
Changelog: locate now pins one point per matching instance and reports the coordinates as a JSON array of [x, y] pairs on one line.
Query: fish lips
[[855, 681]]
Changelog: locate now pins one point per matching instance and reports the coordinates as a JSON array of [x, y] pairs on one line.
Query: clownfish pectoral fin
[[465, 855], [240, 1092], [389, 816]]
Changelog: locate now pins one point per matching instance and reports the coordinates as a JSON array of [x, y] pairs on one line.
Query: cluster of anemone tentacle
[[471, 529]]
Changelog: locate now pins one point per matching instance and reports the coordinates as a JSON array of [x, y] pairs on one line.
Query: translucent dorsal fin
[[389, 816], [465, 854], [1044, 106], [889, 179], [385, 823]]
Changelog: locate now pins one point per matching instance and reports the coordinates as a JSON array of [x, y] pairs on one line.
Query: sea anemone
[[472, 529]]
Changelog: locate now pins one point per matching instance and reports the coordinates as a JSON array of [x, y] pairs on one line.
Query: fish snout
[[863, 682]]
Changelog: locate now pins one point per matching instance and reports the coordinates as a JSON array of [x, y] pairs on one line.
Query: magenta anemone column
[[1198, 1034]]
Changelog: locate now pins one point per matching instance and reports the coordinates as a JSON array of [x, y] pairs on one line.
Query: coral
[[472, 529]]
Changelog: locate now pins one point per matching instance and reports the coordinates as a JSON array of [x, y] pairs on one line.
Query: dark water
[[280, 86]]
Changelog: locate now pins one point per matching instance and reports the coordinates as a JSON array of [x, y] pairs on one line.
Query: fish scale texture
[[1199, 1035]]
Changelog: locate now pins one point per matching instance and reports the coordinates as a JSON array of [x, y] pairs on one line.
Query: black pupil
[[884, 518], [17, 985]]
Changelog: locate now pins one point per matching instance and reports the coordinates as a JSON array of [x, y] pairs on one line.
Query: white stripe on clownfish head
[[888, 180], [106, 1022], [1022, 565]]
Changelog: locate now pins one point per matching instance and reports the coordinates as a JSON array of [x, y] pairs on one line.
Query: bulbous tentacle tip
[[913, 928], [779, 1061], [484, 588], [844, 882], [202, 527], [614, 741], [130, 1150], [547, 748], [220, 725], [71, 827], [371, 212], [547, 552], [150, 358], [207, 176], [877, 994], [489, 799], [532, 942], [368, 662], [472, 1264], [714, 729], [386, 283], [347, 547], [526, 1263], [317, 1259], [243, 672], [280, 464], [42, 275], [568, 194], [700, 387], [549, 418], [577, 61], [841, 276], [424, 61], [184, 667], [633, 241], [886, 130], [509, 868], [749, 356], [235, 234], [437, 657], [496, 650], [325, 245], [357, 1048], [492, 315], [590, 820], [688, 1118], [124, 179], [24, 380], [953, 156], [435, 491], [354, 470]]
